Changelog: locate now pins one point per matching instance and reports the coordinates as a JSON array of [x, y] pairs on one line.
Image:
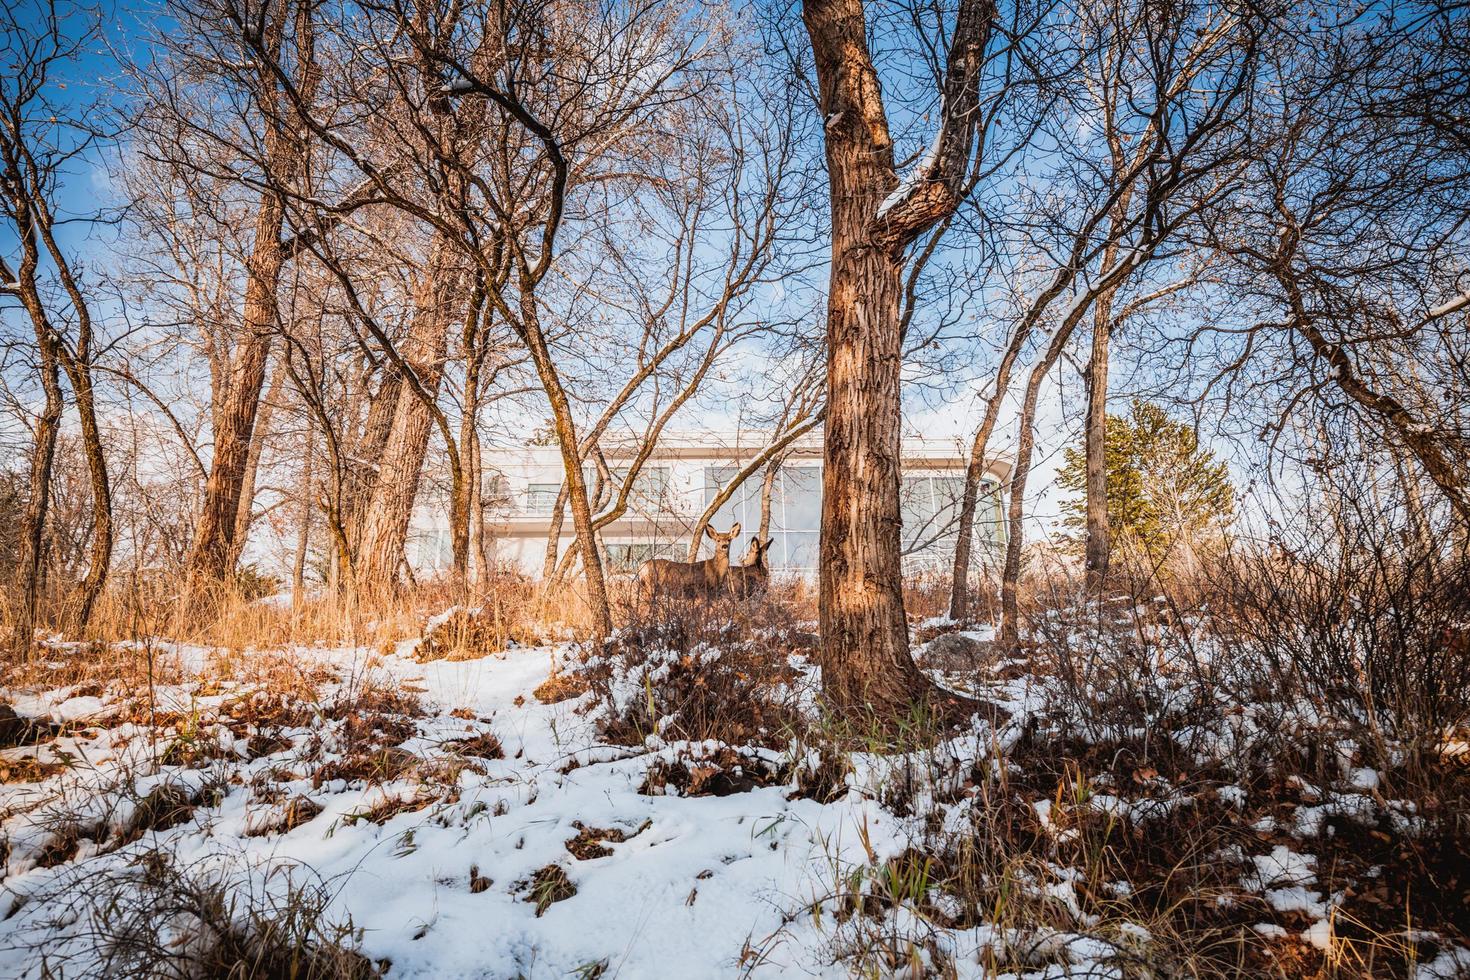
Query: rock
[[955, 651], [13, 727]]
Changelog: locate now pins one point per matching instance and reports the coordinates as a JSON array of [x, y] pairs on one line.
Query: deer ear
[[735, 531]]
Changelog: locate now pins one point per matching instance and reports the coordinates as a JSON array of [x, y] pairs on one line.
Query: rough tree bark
[[385, 522], [1095, 559], [214, 540], [245, 516], [866, 666]]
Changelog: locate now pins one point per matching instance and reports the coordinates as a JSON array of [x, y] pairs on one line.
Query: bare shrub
[[717, 669], [1374, 633], [159, 919]]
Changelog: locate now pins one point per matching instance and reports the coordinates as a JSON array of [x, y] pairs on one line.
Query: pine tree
[[1165, 492]]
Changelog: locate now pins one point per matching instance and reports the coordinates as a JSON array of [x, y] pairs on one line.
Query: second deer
[[753, 574]]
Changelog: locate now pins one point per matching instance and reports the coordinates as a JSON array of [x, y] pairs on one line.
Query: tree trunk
[[245, 513], [466, 489], [575, 481], [866, 666], [33, 534], [385, 523], [959, 589], [303, 527], [209, 563], [1009, 638], [214, 540], [360, 472], [768, 486], [864, 633], [1010, 617], [80, 375], [1098, 546]]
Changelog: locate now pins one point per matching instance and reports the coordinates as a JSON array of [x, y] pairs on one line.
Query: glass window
[[801, 498], [541, 497], [949, 495], [801, 550], [650, 487], [916, 506], [626, 557]]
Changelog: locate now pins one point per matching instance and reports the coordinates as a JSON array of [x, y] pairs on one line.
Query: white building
[[685, 474]]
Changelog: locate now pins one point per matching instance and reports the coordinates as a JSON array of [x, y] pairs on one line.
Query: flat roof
[[729, 446]]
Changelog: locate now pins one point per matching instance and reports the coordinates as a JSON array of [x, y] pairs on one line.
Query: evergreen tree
[[1164, 490]]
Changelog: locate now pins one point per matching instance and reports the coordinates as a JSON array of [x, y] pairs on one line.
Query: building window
[[650, 487], [627, 557], [796, 513], [541, 497]]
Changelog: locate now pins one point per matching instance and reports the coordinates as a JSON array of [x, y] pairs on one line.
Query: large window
[[796, 513], [541, 497], [626, 557], [929, 503], [931, 514], [650, 488]]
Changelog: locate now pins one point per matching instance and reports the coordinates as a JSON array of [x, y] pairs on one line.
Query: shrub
[[718, 670]]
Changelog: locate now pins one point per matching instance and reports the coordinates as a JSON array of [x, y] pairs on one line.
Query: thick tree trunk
[[209, 563], [360, 471], [100, 561], [245, 513], [865, 644], [385, 522], [866, 664], [214, 539]]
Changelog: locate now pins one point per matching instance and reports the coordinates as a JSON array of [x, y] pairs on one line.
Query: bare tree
[[875, 217], [1343, 251], [38, 142], [236, 126]]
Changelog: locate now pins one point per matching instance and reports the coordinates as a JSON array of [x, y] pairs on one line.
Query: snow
[[1450, 306], [922, 172], [688, 886], [718, 868], [1448, 965]]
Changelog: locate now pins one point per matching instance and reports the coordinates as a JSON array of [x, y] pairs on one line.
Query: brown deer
[[752, 575], [664, 576]]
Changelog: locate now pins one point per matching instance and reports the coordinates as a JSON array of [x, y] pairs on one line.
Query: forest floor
[[420, 809]]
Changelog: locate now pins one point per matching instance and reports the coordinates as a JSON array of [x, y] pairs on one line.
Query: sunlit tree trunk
[[33, 532], [866, 666], [400, 465]]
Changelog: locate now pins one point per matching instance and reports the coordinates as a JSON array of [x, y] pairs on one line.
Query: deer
[[664, 576], [752, 575]]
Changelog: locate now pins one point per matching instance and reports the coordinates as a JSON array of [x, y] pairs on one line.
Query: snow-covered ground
[[559, 854]]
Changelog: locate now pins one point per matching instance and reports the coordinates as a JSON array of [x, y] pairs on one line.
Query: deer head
[[722, 544], [755, 555]]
